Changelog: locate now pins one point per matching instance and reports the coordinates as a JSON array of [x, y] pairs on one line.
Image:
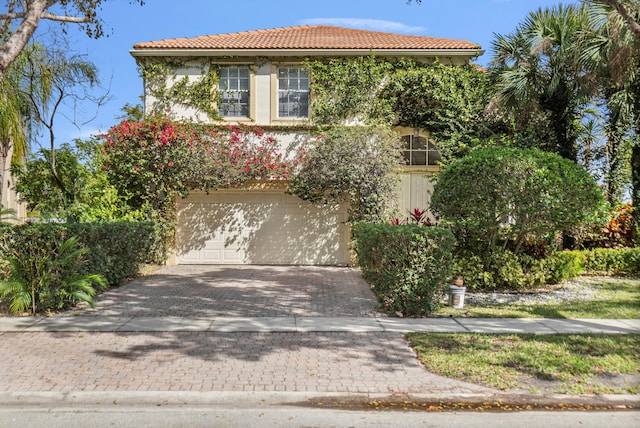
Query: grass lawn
[[613, 298], [549, 364]]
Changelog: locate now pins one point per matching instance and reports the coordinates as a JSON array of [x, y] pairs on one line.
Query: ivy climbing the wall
[[168, 91], [446, 101]]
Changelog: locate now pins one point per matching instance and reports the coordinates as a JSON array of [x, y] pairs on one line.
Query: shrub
[[47, 276], [407, 265], [353, 164], [511, 272], [612, 261], [563, 265], [115, 250], [506, 271], [617, 233], [471, 268], [499, 198]]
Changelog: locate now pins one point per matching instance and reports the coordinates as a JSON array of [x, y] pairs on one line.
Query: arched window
[[419, 151]]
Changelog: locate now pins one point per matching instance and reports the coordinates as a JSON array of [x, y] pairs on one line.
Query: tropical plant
[[14, 110], [87, 194], [537, 75], [612, 51], [48, 278], [36, 185]]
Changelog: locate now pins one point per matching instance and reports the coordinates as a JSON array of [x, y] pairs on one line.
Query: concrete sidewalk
[[297, 324]]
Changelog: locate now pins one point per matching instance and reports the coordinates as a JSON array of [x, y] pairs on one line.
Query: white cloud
[[365, 24]]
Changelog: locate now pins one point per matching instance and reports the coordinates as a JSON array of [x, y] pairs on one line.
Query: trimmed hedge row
[[407, 266], [618, 261], [511, 272], [116, 250]]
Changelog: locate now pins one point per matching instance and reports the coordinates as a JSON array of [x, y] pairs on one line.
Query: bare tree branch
[[7, 21], [30, 12], [49, 16]]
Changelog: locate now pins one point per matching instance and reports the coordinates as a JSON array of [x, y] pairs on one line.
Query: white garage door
[[260, 227]]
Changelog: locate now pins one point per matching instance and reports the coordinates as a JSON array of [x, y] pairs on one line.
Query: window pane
[[418, 158], [407, 157], [233, 95], [419, 151], [419, 143], [434, 157], [293, 92]]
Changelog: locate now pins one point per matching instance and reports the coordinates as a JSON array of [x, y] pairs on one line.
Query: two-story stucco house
[[262, 81]]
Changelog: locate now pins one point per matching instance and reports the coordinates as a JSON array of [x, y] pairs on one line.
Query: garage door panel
[[260, 228]]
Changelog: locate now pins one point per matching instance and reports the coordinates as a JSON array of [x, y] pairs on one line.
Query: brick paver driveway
[[210, 361], [242, 291]]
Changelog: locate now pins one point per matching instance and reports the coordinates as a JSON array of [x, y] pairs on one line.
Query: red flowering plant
[[232, 156], [417, 216], [157, 159], [153, 160], [149, 160]]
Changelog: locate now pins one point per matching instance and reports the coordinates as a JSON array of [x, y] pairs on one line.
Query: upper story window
[[293, 92], [419, 151], [233, 91]]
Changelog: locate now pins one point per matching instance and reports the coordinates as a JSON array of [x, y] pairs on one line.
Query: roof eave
[[473, 52]]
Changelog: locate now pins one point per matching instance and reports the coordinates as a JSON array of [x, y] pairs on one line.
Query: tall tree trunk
[[4, 155], [19, 39]]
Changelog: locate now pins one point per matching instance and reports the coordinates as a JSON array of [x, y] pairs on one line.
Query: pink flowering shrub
[[153, 160]]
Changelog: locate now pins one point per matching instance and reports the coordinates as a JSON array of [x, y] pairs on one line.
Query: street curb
[[118, 399]]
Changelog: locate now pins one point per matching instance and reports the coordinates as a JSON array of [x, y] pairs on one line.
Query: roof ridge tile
[[308, 37]]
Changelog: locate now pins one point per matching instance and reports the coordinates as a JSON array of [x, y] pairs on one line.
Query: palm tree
[[17, 109], [612, 51], [13, 108], [536, 73]]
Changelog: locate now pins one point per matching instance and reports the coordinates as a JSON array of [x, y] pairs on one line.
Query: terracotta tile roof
[[308, 37]]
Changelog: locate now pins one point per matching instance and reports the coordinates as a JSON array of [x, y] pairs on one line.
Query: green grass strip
[[548, 364]]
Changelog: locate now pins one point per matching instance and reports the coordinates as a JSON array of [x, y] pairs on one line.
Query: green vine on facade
[[167, 90], [447, 101]]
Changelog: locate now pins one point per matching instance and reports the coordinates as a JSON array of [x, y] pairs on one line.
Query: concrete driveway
[[241, 291]]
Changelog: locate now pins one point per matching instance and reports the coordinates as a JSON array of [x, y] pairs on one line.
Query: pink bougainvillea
[[157, 158]]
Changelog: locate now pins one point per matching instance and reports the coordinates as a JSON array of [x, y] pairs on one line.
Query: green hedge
[[612, 261], [116, 250], [407, 266], [511, 272]]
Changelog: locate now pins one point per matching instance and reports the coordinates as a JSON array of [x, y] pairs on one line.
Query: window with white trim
[[233, 91], [419, 151], [293, 92]]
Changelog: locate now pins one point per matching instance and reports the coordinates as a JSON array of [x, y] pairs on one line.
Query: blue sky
[[126, 24]]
